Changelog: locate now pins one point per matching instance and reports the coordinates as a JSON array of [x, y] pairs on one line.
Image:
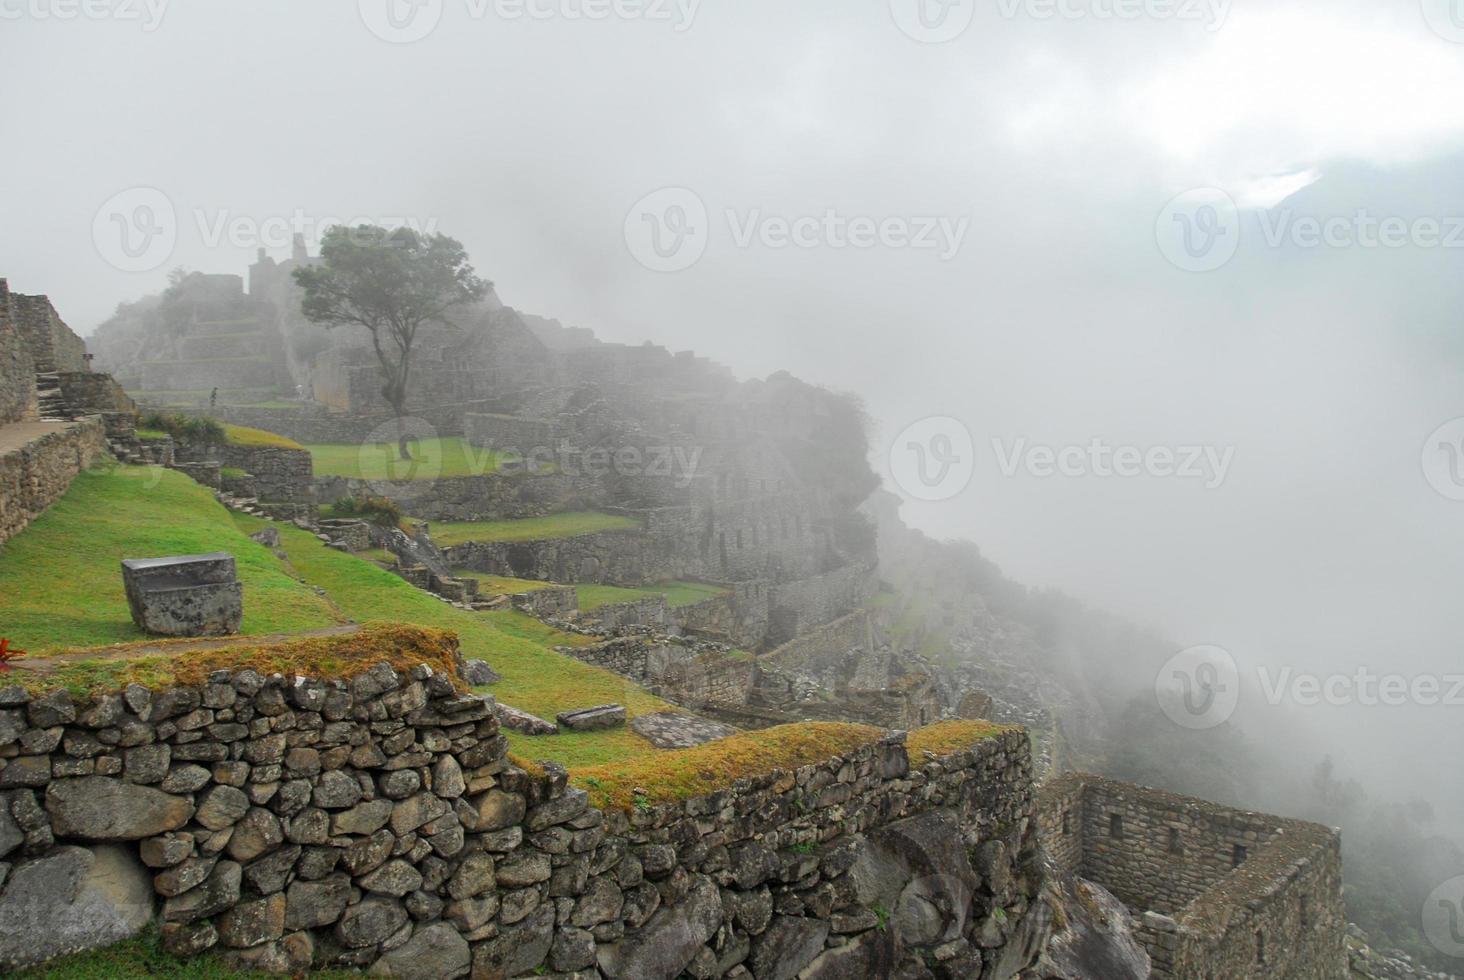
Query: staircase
[[50, 401]]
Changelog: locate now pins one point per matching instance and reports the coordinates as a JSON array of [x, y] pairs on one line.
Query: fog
[[1048, 146]]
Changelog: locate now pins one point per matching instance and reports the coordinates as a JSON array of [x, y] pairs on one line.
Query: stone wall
[[1219, 892], [377, 822], [493, 431], [491, 497], [686, 672], [281, 474], [647, 611], [795, 606], [627, 557], [17, 369], [52, 344], [35, 476], [740, 616], [91, 392], [312, 424]]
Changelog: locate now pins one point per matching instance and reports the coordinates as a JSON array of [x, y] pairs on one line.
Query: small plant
[[642, 804], [8, 654], [805, 847], [381, 511], [187, 429], [883, 915]]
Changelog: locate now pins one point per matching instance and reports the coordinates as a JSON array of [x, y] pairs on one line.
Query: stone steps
[[50, 400]]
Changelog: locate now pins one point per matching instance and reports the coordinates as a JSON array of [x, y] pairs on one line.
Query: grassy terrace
[[567, 525], [593, 596], [61, 588], [434, 459], [61, 581], [677, 594], [672, 776]]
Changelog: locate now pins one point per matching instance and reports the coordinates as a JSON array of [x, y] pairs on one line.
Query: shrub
[[185, 429], [381, 511]]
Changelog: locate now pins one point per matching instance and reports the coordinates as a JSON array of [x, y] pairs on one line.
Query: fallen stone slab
[[523, 722], [593, 719], [677, 730]]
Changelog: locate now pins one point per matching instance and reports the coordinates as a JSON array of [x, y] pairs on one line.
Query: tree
[[391, 283]]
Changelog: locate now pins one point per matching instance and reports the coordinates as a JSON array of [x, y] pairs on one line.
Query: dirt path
[[172, 647]]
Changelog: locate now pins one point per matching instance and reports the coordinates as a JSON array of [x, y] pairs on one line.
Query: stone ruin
[[1215, 891], [187, 595]]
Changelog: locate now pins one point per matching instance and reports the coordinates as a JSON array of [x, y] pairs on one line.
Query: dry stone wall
[[35, 476], [17, 369], [378, 822]]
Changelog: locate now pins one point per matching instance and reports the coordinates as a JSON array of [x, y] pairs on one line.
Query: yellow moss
[[327, 657], [670, 776], [239, 435], [946, 737]]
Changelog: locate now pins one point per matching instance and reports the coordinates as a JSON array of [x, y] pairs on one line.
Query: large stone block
[[187, 595], [70, 900]]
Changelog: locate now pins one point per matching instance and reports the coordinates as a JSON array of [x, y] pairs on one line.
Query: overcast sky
[[1034, 154]]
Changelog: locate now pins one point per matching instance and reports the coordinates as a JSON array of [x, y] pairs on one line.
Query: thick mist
[[1040, 152]]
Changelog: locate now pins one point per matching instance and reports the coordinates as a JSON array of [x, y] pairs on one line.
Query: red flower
[[7, 654]]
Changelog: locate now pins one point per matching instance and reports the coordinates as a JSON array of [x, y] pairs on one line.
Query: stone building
[[1217, 892]]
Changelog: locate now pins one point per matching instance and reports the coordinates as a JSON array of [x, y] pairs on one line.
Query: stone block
[[592, 719], [188, 595]]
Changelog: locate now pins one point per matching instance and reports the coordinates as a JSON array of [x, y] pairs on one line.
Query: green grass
[[61, 580], [433, 459], [239, 435], [152, 435], [566, 525], [501, 584], [535, 677]]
